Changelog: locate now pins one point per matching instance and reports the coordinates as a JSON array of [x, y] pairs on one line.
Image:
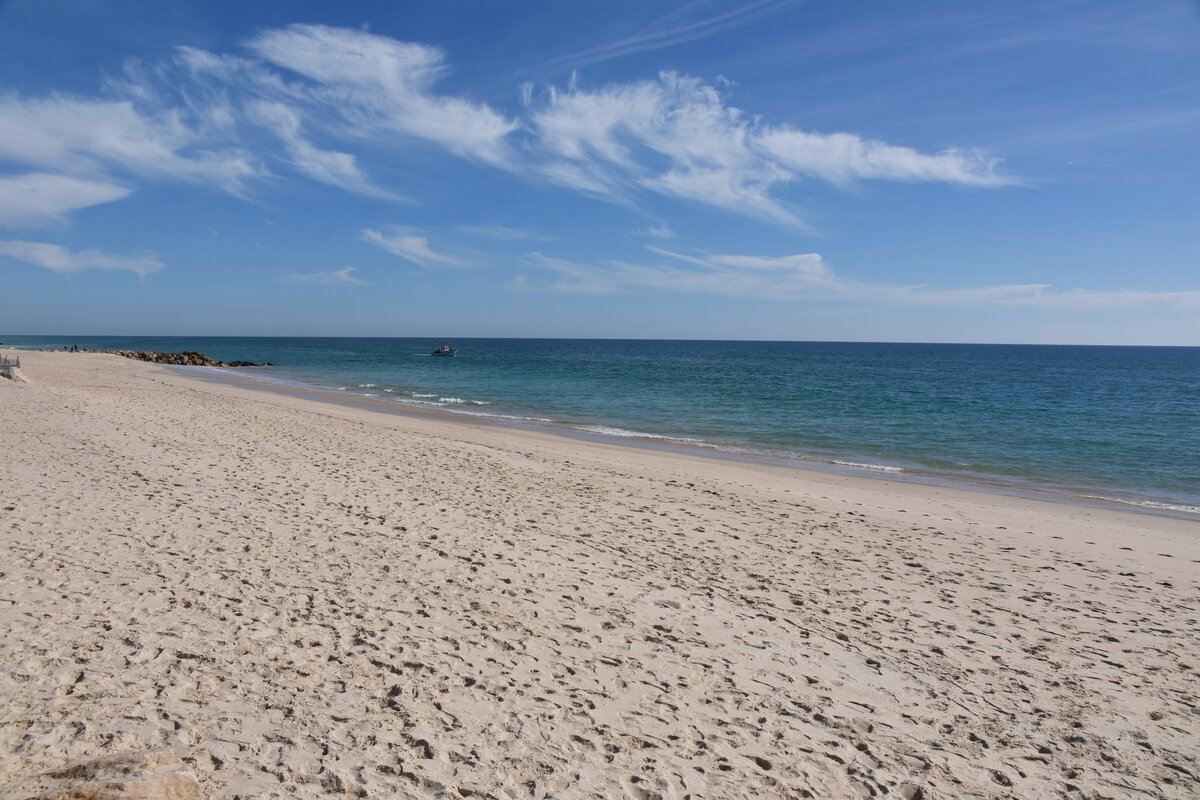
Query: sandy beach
[[212, 591]]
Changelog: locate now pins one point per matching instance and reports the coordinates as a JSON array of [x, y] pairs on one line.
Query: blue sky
[[924, 171]]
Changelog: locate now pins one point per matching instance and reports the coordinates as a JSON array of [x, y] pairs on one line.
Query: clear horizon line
[[586, 339]]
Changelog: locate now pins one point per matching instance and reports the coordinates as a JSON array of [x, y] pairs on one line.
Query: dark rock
[[188, 358]]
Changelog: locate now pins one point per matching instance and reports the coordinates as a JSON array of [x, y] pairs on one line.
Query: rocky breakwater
[[189, 358]]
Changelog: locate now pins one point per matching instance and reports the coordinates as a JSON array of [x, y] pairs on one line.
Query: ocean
[[1108, 424]]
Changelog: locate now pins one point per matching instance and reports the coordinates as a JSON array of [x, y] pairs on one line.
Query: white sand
[[299, 599]]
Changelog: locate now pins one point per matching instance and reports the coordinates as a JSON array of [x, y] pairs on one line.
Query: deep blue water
[[1116, 422]]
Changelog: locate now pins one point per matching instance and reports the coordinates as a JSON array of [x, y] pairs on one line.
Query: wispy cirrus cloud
[[324, 166], [345, 103], [504, 233], [217, 119], [843, 158], [412, 246], [746, 276], [89, 151], [807, 276], [663, 231], [39, 198], [387, 85], [92, 137], [337, 277], [64, 261], [676, 136], [681, 26], [1044, 295]]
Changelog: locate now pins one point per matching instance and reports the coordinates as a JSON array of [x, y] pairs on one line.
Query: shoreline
[[278, 597], [1107, 477], [1020, 488]]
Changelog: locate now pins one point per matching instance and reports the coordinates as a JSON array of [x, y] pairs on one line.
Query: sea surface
[[1115, 424]]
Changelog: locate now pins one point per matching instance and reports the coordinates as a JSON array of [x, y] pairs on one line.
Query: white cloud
[[63, 261], [39, 198], [410, 245], [657, 232], [842, 158], [808, 268], [205, 118], [677, 136], [88, 137], [573, 278], [387, 85], [742, 192], [614, 138], [326, 166], [335, 98], [747, 276], [807, 276], [1044, 296], [503, 233], [342, 276], [676, 27]]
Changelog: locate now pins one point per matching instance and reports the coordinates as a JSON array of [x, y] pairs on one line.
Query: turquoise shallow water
[[1120, 423]]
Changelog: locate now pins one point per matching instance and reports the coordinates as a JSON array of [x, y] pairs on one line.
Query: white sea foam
[[418, 394], [481, 414], [624, 433], [861, 465], [450, 400], [481, 402], [366, 386], [1155, 504], [389, 391], [493, 415]]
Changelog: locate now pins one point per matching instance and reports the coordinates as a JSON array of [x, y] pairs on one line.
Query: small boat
[[443, 350]]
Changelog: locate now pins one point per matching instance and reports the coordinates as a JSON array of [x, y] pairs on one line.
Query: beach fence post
[[9, 366]]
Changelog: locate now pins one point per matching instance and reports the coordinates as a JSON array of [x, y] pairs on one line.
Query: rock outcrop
[[188, 358]]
